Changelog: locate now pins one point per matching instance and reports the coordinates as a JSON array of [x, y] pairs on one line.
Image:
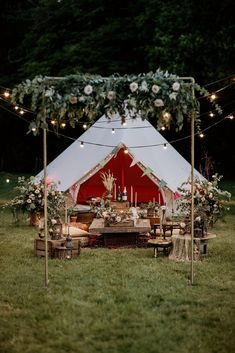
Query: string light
[[84, 126], [213, 97], [63, 125], [201, 135], [53, 122], [82, 144], [7, 181], [211, 114], [163, 128], [125, 150], [231, 117], [21, 112], [124, 123], [165, 146], [6, 94], [113, 131], [16, 107]]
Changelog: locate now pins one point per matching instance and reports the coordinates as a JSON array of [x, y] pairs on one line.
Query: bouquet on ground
[[30, 198], [210, 203]]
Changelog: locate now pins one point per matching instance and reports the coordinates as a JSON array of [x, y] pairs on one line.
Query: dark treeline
[[63, 37]]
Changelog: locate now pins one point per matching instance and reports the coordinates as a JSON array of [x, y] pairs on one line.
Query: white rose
[[88, 89], [176, 86], [73, 99], [118, 219], [158, 103], [134, 86], [155, 89], [111, 95]]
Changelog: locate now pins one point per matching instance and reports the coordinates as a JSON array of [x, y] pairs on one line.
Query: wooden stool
[[158, 244]]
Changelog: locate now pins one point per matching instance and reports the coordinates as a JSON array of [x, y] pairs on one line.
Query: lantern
[[69, 247]]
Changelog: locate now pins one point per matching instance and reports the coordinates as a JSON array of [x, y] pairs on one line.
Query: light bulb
[[21, 112], [231, 117], [33, 129], [213, 97], [7, 181], [7, 94], [16, 107], [82, 144], [201, 135], [124, 123], [163, 128], [165, 146], [84, 126], [62, 125], [125, 150], [211, 114], [113, 131], [53, 122]]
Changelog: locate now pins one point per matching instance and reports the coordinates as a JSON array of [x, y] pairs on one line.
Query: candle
[[159, 198], [115, 192], [136, 199], [131, 195], [154, 200]]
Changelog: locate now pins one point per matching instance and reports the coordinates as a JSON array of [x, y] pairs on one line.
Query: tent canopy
[[78, 167]]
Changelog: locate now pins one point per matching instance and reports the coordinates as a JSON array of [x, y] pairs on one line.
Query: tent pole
[[45, 203], [192, 187], [192, 197]]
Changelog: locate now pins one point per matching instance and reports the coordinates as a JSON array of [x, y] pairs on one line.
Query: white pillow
[[73, 230]]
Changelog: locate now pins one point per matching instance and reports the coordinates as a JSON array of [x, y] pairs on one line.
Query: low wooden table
[[123, 235]]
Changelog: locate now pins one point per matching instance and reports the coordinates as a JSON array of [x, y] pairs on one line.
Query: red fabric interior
[[125, 176]]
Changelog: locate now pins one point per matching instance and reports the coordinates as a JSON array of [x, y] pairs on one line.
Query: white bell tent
[[151, 170]]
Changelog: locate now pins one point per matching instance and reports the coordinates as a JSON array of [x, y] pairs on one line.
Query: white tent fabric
[[75, 162]]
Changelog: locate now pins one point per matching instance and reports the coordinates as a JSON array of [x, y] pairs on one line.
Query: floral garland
[[161, 95]]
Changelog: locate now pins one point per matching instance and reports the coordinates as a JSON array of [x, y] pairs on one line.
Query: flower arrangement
[[110, 215], [108, 181], [209, 201], [31, 197], [151, 207]]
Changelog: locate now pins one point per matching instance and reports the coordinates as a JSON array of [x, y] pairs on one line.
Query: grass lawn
[[115, 301]]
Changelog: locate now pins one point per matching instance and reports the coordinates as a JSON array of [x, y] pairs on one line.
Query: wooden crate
[[39, 247], [120, 204]]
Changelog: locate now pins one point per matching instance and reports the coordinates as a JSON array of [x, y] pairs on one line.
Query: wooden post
[[192, 193], [45, 202]]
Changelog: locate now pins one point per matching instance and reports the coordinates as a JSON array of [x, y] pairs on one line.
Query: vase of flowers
[[30, 199], [108, 181]]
